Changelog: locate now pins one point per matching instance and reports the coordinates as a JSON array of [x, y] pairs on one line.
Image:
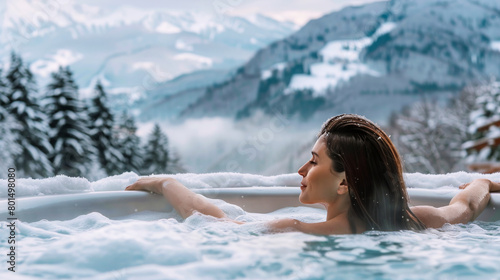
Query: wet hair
[[373, 170]]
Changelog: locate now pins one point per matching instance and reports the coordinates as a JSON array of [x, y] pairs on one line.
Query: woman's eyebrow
[[314, 154]]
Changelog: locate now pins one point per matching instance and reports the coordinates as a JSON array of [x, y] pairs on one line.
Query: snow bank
[[203, 181], [68, 185], [454, 180], [60, 184]]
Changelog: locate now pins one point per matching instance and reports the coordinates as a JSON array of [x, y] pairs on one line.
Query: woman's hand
[[184, 201], [493, 186], [150, 184]]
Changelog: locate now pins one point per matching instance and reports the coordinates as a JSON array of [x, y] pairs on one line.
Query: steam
[[263, 144]]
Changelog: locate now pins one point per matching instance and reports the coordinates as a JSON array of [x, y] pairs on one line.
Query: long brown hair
[[373, 171]]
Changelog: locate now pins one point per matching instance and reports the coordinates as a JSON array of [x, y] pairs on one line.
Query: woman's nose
[[303, 170]]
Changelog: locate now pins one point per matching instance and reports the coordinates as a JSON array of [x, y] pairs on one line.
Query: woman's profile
[[357, 174]]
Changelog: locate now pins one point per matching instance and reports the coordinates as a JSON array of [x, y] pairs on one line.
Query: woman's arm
[[184, 201], [466, 206]]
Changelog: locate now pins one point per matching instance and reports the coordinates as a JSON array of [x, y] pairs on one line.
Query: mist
[[263, 144]]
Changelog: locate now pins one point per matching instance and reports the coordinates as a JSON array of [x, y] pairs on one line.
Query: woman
[[356, 173]]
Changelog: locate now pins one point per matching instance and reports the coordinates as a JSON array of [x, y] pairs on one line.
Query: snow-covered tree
[[175, 164], [4, 100], [9, 131], [101, 130], [68, 123], [129, 144], [9, 140], [156, 156], [429, 137], [23, 106], [485, 113]]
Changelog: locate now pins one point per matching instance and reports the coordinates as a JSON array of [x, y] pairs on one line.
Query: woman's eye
[[312, 162]]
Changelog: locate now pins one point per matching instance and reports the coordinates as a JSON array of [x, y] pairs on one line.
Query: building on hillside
[[483, 154]]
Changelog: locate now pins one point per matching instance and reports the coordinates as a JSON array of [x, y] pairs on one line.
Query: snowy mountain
[[370, 59], [131, 50]]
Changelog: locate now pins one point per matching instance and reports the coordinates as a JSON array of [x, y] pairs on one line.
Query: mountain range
[[208, 71], [130, 50], [370, 59]]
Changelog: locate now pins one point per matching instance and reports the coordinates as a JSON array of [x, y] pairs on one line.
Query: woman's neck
[[340, 210]]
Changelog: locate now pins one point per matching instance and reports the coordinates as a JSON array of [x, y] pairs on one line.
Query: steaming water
[[152, 245]]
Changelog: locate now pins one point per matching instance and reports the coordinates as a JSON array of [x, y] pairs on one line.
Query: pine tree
[[69, 126], [4, 100], [103, 136], [129, 144], [156, 156], [23, 106], [9, 131], [9, 140]]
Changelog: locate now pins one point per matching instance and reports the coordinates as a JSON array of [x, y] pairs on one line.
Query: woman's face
[[320, 184]]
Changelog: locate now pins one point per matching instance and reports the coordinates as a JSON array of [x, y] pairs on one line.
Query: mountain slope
[[369, 60], [127, 46]]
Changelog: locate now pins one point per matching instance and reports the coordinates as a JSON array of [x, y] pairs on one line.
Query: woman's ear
[[343, 188]]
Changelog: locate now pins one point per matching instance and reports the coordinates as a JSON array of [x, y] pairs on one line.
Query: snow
[[344, 50], [9, 146], [495, 45], [70, 185], [19, 106], [33, 15], [325, 75], [485, 115], [133, 93], [200, 22], [160, 75], [183, 46], [484, 153], [44, 27], [494, 132], [146, 65], [267, 73], [386, 27], [469, 144], [63, 57], [122, 16], [200, 61], [55, 185], [340, 63], [167, 28], [318, 84]]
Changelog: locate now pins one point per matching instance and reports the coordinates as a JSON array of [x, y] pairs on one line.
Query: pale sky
[[298, 11]]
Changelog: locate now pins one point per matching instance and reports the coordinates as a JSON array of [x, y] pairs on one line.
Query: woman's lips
[[302, 187]]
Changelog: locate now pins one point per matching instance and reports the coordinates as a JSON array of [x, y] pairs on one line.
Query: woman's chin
[[303, 199]]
